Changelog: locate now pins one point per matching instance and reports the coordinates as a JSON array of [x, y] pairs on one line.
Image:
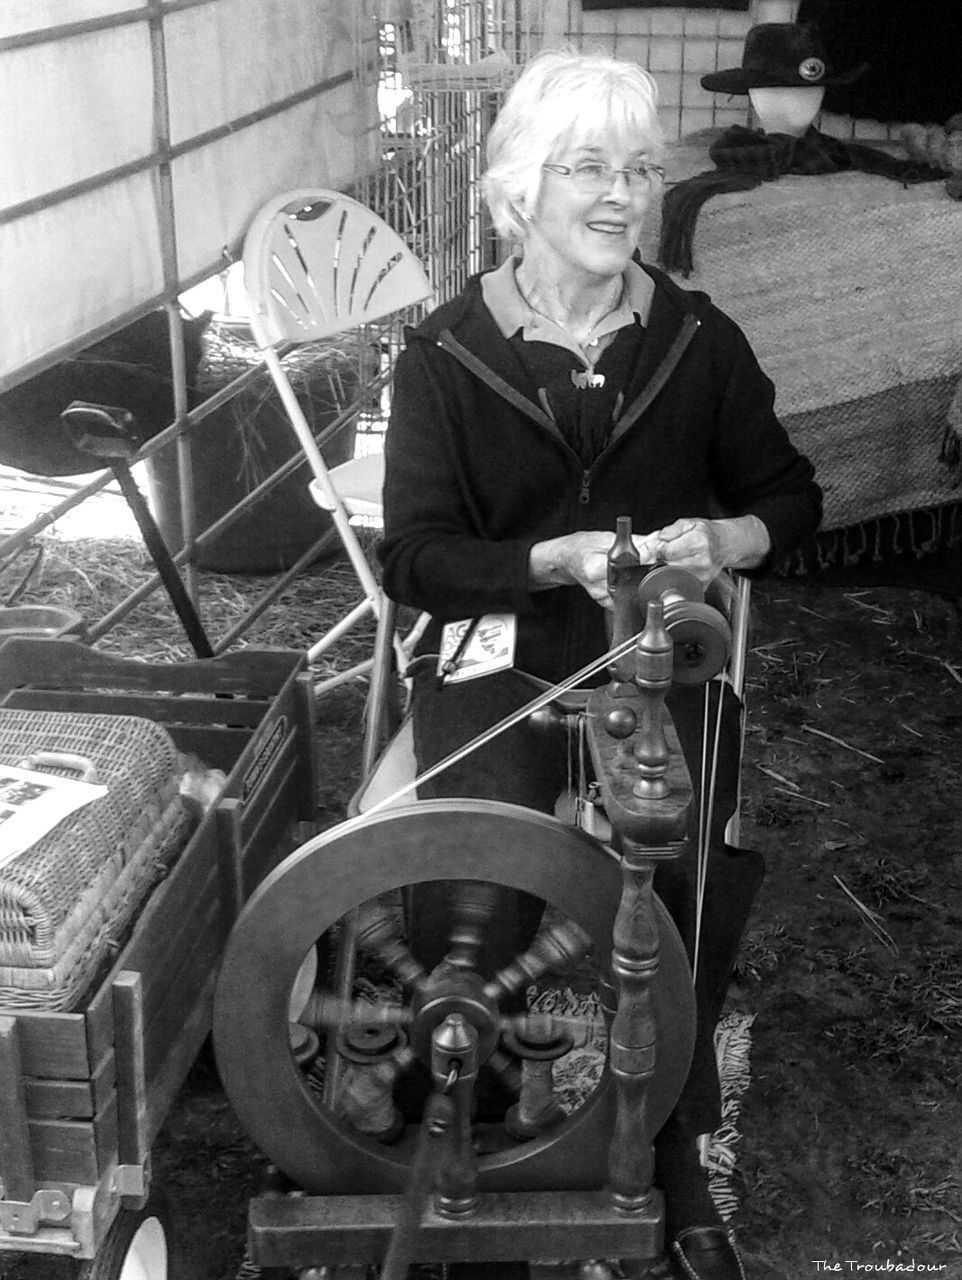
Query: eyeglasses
[[594, 177]]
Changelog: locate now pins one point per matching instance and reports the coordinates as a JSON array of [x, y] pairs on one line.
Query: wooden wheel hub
[[451, 990]]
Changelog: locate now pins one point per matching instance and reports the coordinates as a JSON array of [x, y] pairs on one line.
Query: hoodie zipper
[[689, 326]]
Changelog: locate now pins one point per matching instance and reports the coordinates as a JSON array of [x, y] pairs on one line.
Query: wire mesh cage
[[442, 72]]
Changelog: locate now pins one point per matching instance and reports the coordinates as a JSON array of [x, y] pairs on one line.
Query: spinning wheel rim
[[318, 884]]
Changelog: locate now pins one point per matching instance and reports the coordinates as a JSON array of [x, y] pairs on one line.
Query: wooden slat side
[[171, 1071], [100, 1029], [231, 849], [180, 1024], [259, 789], [70, 1099], [106, 1136], [16, 1162], [75, 1150], [305, 748], [132, 1142], [53, 1046], [60, 664], [195, 954], [186, 963], [218, 746], [267, 745], [164, 709], [266, 845], [172, 911]]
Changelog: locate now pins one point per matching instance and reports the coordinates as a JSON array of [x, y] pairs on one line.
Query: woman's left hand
[[705, 547]]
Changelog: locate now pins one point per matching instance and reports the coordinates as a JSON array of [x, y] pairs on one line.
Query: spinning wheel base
[[306, 1231]]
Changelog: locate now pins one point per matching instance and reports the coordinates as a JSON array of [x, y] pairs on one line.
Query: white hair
[[561, 98]]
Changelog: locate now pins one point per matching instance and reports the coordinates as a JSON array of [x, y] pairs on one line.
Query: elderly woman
[[568, 387]]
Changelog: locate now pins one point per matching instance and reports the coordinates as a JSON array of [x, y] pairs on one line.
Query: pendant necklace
[[583, 379]]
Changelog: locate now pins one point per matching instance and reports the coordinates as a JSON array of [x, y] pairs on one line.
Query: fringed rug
[[578, 1072], [733, 1043]]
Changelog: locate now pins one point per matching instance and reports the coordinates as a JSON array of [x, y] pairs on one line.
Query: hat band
[[809, 71]]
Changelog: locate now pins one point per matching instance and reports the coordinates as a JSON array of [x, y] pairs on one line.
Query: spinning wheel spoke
[[379, 932], [326, 1010], [557, 945], [472, 905]]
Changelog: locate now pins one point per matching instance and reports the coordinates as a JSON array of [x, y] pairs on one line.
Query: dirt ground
[[852, 1122], [849, 1157], [853, 1118]]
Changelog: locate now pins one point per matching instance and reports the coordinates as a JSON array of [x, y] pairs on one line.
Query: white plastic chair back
[[318, 263]]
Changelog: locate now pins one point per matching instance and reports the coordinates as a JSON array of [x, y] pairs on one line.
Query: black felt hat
[[780, 55]]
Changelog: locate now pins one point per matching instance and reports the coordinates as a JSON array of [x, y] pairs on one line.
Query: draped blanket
[[847, 286], [744, 158]]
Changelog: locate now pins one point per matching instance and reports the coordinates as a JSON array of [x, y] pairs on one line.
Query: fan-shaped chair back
[[319, 263]]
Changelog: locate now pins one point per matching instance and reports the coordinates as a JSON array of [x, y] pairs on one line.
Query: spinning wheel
[[466, 842], [454, 1181]]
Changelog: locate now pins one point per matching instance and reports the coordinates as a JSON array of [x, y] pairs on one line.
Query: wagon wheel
[[455, 841], [135, 1247]]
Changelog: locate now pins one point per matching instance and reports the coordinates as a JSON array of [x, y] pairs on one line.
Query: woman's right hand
[[579, 559]]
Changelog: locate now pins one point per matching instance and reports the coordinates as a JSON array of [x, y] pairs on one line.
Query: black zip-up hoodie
[[477, 472]]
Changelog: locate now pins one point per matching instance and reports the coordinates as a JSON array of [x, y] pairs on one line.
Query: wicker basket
[[68, 900]]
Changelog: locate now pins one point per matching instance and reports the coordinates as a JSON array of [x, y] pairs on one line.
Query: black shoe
[[706, 1253]]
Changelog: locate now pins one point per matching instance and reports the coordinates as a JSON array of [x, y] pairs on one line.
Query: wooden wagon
[[83, 1094]]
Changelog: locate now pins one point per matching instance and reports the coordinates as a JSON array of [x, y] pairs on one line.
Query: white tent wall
[[146, 136], [141, 138]]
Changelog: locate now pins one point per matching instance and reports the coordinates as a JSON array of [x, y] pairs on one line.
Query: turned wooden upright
[[647, 794]]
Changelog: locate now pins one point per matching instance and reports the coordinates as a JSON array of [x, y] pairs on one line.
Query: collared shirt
[[511, 312], [583, 399]]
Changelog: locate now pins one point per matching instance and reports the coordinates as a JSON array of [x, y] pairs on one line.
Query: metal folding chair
[[318, 263]]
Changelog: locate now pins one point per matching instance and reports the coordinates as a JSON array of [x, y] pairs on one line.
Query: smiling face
[[577, 237]]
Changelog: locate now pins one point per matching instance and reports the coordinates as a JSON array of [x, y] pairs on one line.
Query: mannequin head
[[786, 110], [785, 73]]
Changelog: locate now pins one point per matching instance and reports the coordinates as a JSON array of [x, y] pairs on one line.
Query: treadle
[[303, 1231]]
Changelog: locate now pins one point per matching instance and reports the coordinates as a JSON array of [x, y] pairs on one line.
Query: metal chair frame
[[318, 263]]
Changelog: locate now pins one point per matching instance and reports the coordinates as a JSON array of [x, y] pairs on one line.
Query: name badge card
[[477, 647]]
